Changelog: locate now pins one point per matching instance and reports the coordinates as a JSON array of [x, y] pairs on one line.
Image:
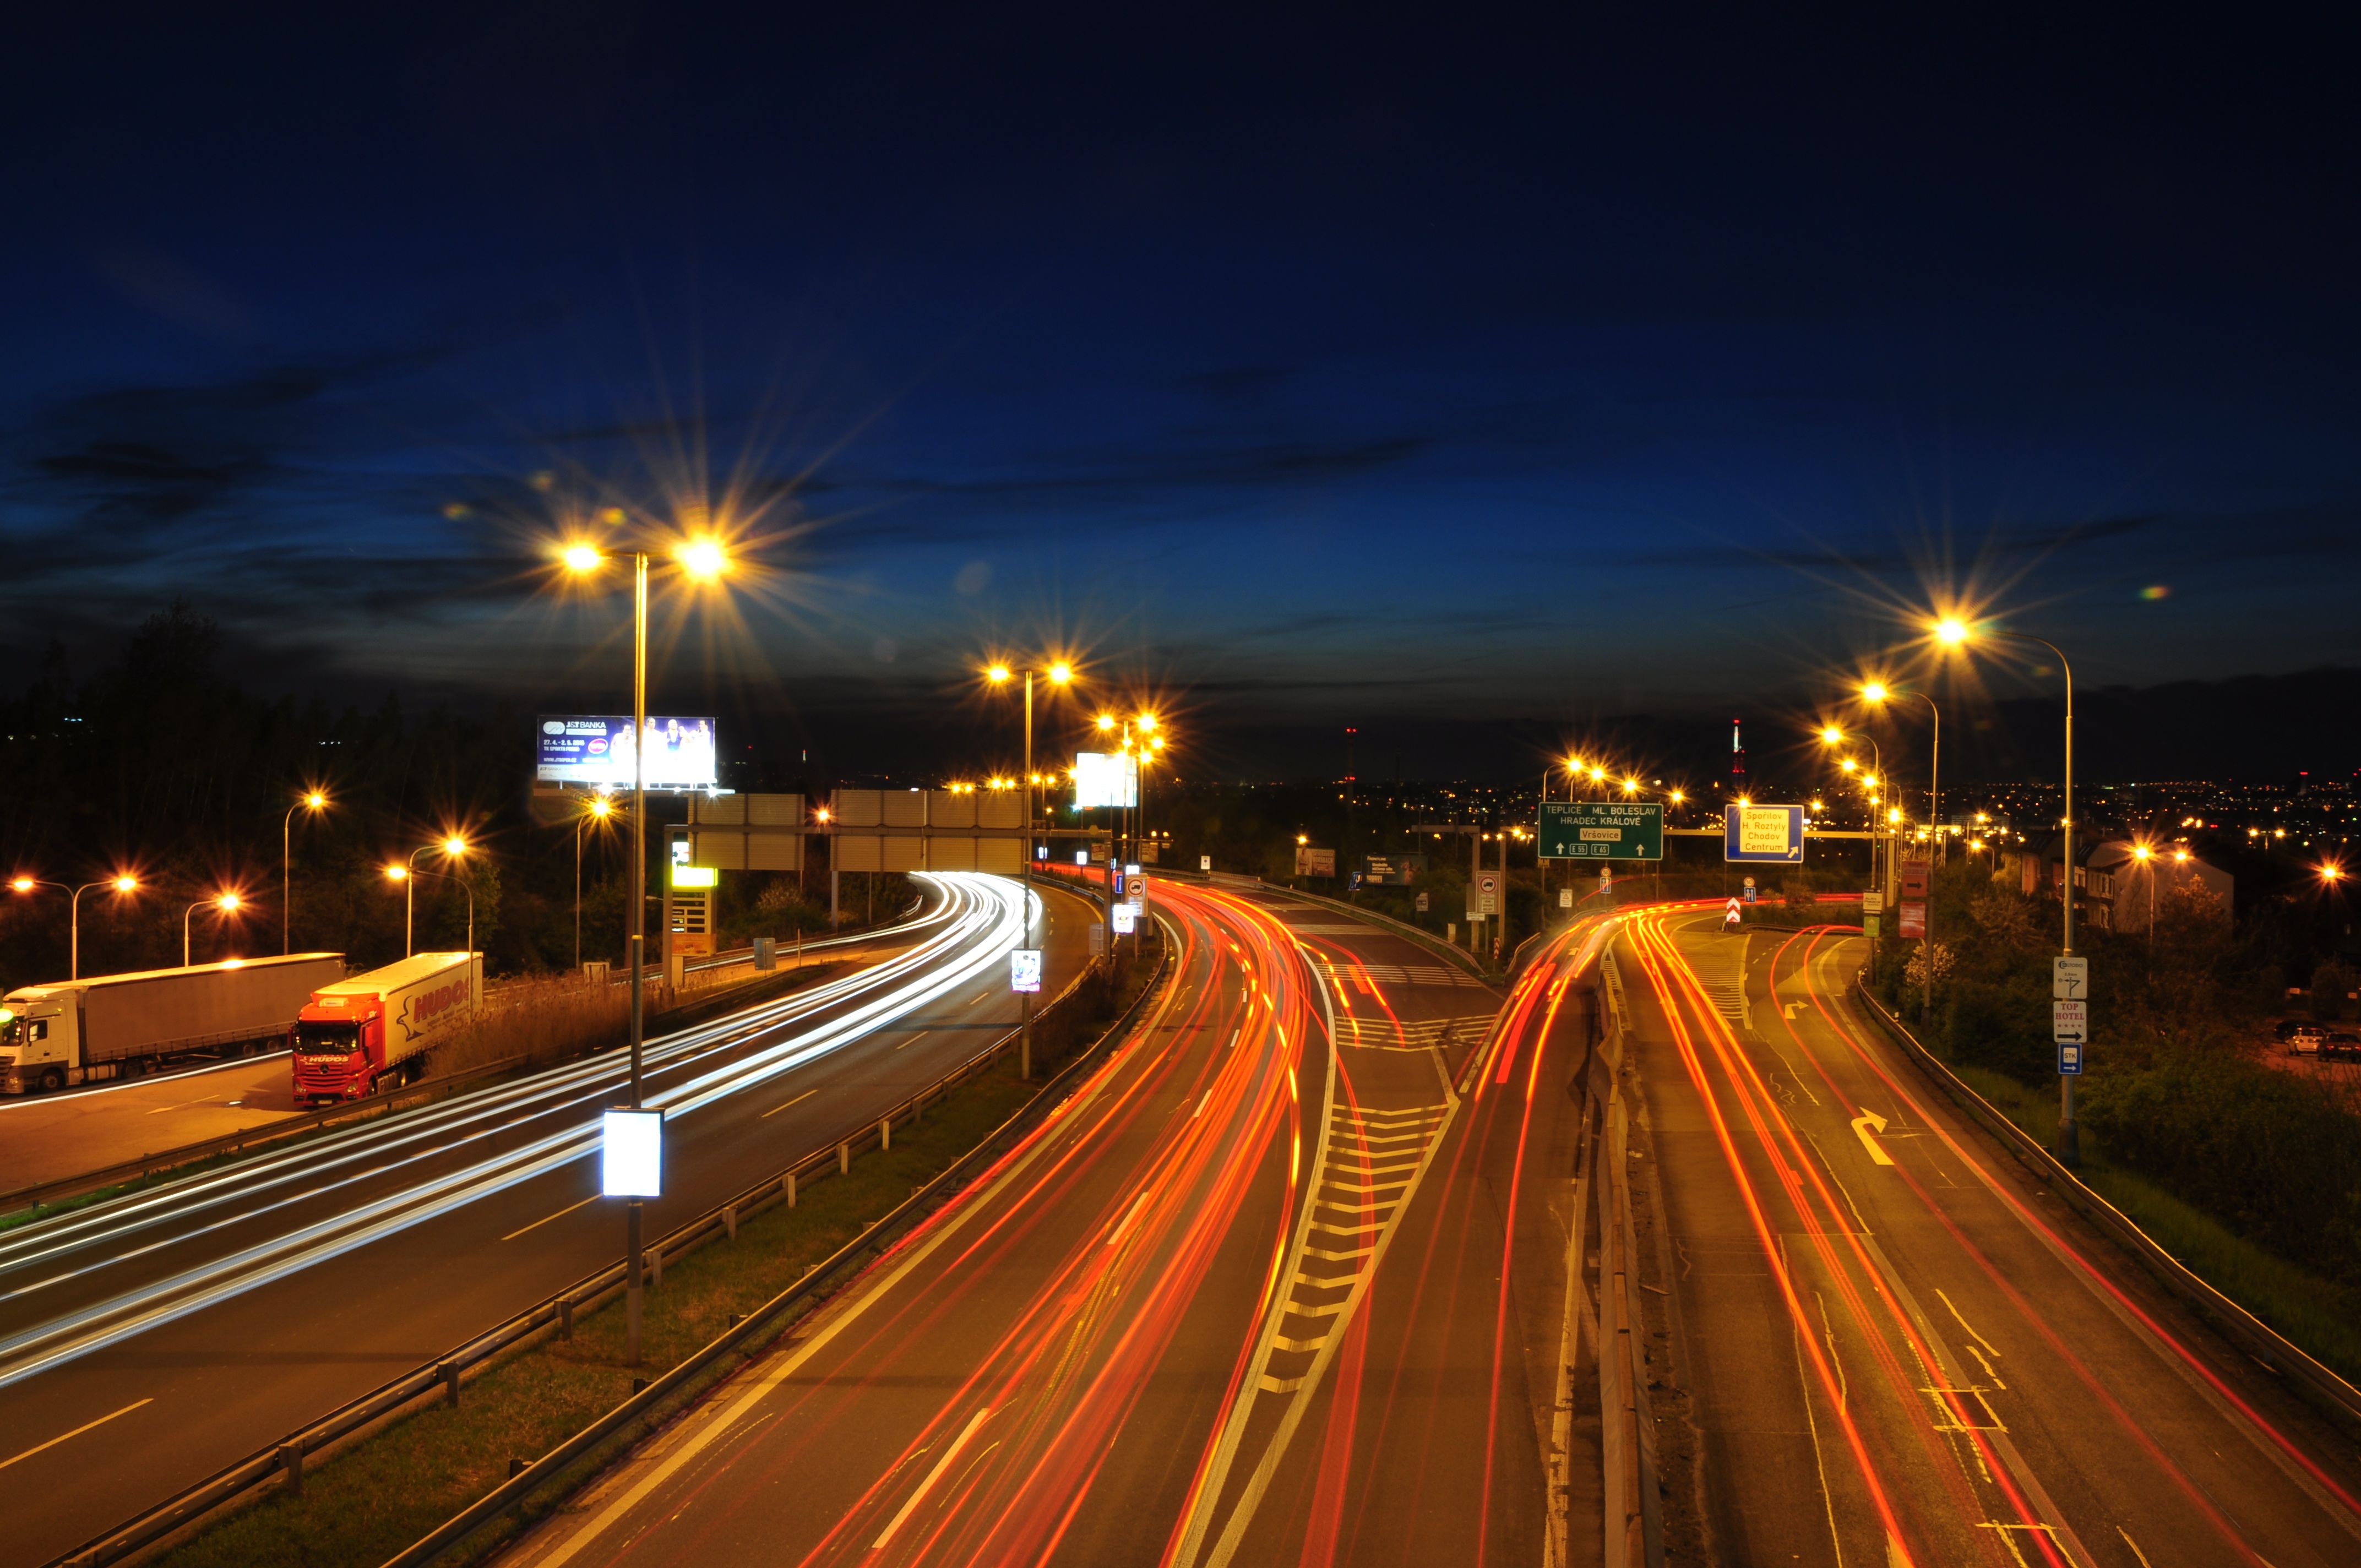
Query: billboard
[[588, 750], [1105, 779], [1763, 833], [1385, 870], [1310, 861], [1601, 830]]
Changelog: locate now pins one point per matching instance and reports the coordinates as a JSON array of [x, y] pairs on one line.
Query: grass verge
[[362, 1505], [2312, 1312]]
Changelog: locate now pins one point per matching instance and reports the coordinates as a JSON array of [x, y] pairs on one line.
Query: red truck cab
[[339, 1042], [371, 1032]]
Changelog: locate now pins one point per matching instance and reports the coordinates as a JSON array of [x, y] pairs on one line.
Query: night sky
[[1447, 372]]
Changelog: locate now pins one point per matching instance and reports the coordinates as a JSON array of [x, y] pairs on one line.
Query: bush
[[2274, 1156], [542, 1021], [2004, 1026]]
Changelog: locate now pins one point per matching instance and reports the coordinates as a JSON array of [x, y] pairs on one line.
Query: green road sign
[[1601, 830]]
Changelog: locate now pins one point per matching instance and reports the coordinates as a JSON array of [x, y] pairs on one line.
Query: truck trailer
[[126, 1026], [370, 1033]]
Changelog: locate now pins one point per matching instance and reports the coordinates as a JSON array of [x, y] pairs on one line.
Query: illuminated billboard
[[631, 1152], [577, 749], [1104, 779]]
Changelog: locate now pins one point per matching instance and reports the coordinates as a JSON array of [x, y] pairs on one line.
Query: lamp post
[[122, 884], [1121, 728], [701, 559], [598, 809], [2146, 859], [313, 801], [1832, 736], [1060, 673], [227, 903], [1876, 692], [407, 873], [1955, 634]]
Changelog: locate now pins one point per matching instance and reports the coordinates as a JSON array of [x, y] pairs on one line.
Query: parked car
[[2340, 1045], [2303, 1040], [2287, 1026]]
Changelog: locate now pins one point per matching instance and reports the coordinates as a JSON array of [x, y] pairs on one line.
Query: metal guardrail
[[2249, 1332], [1426, 940], [1631, 1519], [444, 1374], [424, 1093]]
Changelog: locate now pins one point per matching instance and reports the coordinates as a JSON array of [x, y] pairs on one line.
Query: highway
[[1886, 1343], [147, 1340], [51, 1137], [1118, 1347]]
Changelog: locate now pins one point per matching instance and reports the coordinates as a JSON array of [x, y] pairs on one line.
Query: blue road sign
[[1766, 833]]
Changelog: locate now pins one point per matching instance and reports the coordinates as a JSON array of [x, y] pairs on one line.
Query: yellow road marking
[[559, 1215], [78, 1431]]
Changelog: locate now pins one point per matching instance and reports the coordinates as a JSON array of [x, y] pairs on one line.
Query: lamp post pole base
[[632, 1252]]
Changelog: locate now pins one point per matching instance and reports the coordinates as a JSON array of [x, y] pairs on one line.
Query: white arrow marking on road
[[1863, 1123]]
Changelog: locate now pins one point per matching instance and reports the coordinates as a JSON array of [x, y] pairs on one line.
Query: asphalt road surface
[[1162, 1328], [146, 1342], [49, 1138], [1886, 1343]]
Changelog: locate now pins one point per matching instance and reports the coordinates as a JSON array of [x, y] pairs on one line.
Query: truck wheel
[[52, 1081]]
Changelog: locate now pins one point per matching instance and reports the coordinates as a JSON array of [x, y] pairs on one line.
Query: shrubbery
[[2170, 1093]]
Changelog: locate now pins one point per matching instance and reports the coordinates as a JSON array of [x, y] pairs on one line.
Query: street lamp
[[597, 810], [1830, 735], [701, 559], [1952, 632], [227, 903], [315, 801], [1876, 692], [407, 873], [122, 883], [1058, 674]]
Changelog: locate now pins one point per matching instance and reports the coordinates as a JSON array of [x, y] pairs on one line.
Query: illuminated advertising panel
[[1105, 779], [578, 750], [631, 1154]]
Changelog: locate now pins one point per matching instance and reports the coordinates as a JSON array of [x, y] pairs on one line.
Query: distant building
[[2114, 888], [2131, 885]]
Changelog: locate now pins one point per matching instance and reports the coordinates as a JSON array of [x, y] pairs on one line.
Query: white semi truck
[[123, 1025], [359, 1035]]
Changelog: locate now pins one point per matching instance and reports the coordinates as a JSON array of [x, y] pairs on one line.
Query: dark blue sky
[[1415, 368]]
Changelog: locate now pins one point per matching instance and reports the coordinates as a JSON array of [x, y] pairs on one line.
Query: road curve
[[1107, 1349], [1889, 1345], [200, 1321]]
